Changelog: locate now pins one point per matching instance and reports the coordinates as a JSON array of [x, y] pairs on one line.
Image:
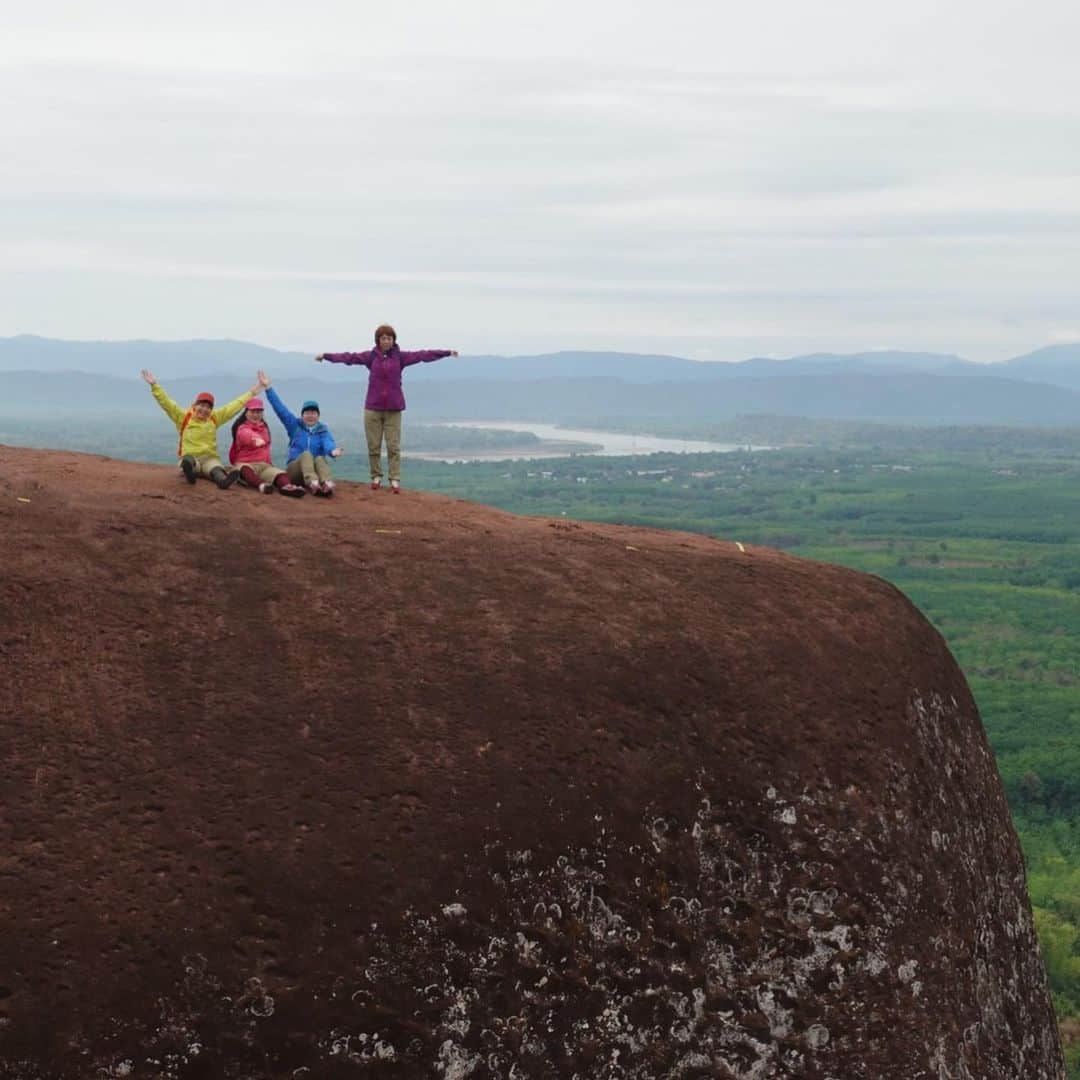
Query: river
[[607, 443]]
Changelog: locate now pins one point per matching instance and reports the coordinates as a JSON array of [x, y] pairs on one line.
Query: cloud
[[630, 166]]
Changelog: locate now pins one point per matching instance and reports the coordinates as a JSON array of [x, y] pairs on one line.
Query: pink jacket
[[244, 451]]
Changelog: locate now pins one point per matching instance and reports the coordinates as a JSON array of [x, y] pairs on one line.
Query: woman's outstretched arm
[[425, 356], [364, 358]]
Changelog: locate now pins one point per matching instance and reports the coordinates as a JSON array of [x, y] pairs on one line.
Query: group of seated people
[[311, 445]]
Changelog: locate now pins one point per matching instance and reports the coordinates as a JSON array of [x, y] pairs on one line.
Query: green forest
[[979, 527]]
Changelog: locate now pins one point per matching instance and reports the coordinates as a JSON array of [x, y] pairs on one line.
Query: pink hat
[[254, 403]]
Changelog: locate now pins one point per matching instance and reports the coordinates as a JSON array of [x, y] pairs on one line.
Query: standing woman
[[385, 400]]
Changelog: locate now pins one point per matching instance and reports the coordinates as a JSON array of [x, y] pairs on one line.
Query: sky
[[714, 180]]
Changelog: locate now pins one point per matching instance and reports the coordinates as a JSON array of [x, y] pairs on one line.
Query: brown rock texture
[[406, 787]]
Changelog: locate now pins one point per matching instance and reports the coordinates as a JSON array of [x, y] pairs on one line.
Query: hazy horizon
[[567, 348]]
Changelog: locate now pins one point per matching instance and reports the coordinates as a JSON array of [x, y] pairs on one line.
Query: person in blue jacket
[[311, 446]]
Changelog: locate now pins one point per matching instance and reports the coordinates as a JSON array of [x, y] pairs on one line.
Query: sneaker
[[376, 484], [266, 489], [327, 487], [395, 487], [295, 490], [314, 487], [187, 465]]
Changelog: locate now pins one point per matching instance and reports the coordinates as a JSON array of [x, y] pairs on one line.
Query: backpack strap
[[183, 427]]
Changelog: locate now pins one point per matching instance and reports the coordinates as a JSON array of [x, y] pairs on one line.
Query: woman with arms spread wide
[[385, 400]]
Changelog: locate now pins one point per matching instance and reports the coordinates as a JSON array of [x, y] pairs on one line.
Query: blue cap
[[310, 405]]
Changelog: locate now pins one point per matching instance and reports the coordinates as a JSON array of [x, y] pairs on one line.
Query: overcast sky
[[715, 180]]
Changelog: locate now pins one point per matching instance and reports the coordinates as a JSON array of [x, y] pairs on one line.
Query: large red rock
[[403, 786]]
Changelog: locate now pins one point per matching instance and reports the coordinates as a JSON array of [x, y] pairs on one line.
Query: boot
[[224, 479], [189, 468]]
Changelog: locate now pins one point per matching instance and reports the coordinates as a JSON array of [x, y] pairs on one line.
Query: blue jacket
[[317, 439]]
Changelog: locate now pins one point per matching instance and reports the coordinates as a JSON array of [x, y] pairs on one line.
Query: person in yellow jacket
[[198, 427]]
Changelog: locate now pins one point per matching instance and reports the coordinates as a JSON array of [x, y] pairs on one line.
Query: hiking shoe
[[314, 487], [376, 484], [295, 490], [230, 478], [266, 489], [187, 466], [327, 487], [395, 487]]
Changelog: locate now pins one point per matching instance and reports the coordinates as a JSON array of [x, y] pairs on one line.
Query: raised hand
[[264, 380], [320, 358], [453, 352], [148, 376], [337, 451]]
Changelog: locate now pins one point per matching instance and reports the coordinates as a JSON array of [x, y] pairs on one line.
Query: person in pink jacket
[[385, 400], [250, 453]]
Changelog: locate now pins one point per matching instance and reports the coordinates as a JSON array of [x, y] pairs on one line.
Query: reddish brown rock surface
[[408, 787]]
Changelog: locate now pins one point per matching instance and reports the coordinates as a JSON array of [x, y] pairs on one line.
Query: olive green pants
[[382, 424], [204, 466], [308, 470], [266, 472]]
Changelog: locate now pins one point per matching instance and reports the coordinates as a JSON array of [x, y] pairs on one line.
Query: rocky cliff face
[[406, 787]]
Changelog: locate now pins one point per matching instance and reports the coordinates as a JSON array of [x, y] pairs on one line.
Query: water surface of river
[[606, 443]]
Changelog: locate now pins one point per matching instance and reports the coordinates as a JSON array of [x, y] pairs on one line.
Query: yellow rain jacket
[[197, 437]]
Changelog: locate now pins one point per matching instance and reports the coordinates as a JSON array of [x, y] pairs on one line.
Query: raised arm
[[169, 407], [364, 358], [227, 412], [425, 356], [287, 418]]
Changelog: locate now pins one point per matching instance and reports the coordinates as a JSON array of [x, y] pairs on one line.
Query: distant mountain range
[[1041, 388], [1059, 364]]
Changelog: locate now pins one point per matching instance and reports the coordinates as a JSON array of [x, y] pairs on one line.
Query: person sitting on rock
[[198, 428], [250, 453], [385, 400], [311, 446]]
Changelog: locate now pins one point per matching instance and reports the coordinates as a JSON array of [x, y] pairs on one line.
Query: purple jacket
[[384, 382]]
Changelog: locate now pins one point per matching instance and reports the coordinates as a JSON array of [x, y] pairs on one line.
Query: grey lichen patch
[[700, 946]]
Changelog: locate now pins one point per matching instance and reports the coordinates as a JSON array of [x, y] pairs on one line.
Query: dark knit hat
[[309, 404]]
